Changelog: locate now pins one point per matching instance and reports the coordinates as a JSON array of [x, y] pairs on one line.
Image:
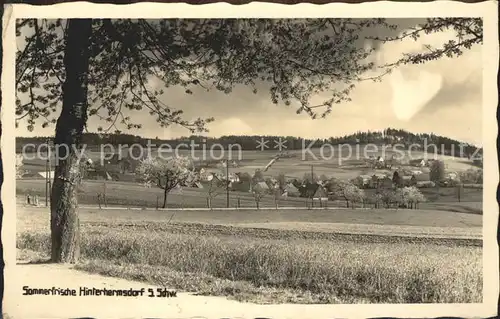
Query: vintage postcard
[[262, 160]]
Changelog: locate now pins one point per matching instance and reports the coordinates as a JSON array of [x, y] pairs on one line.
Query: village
[[379, 182]]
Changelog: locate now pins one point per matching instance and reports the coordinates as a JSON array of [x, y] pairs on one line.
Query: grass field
[[225, 253]]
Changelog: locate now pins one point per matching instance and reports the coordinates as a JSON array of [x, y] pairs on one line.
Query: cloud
[[409, 96]]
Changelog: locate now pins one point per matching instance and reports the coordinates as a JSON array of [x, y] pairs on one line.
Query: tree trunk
[[165, 195], [64, 226]]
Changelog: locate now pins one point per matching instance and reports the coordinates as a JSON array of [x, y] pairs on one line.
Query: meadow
[[224, 253]]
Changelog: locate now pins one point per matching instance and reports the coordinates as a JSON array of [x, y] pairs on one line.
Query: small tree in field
[[388, 197], [409, 197], [416, 197], [376, 199], [214, 187], [397, 179], [259, 191], [348, 192], [166, 174], [459, 188]]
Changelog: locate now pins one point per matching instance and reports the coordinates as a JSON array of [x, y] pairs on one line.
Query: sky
[[443, 97]]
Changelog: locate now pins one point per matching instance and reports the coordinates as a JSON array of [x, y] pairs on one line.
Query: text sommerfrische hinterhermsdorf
[[92, 291]]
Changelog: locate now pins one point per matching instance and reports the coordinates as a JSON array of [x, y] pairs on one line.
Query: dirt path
[[61, 276], [184, 305]]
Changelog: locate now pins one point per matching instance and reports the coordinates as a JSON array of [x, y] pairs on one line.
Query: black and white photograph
[[226, 166]]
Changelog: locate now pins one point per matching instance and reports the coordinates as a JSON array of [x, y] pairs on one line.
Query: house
[[423, 177], [308, 189], [194, 184], [260, 187], [210, 181], [120, 165], [419, 162], [241, 186], [380, 175], [425, 184], [291, 191], [363, 181], [380, 162]]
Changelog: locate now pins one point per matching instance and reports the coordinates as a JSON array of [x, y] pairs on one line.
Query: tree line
[[249, 142]]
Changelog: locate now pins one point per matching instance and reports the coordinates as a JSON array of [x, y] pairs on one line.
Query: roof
[[198, 184], [320, 192], [422, 177], [291, 188], [261, 184], [418, 160], [365, 176]]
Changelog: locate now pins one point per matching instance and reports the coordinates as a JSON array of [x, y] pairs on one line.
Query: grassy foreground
[[279, 270]]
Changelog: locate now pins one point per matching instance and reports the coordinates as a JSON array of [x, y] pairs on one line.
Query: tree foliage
[[347, 191], [472, 176], [467, 33], [109, 68], [409, 196], [166, 174], [133, 61], [437, 171]]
